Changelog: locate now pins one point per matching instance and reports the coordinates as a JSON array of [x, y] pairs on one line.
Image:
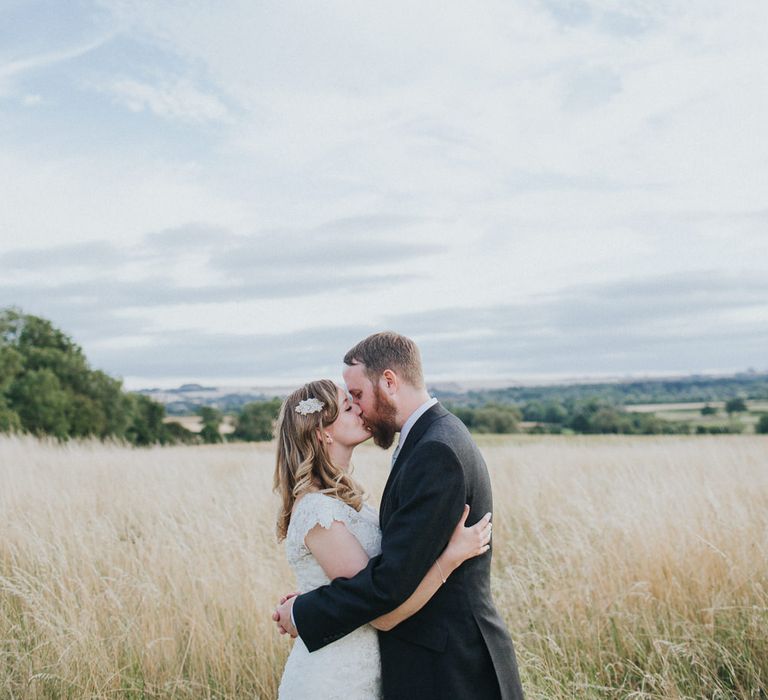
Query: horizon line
[[144, 384]]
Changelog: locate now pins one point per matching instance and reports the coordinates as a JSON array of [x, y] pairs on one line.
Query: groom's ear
[[389, 381]]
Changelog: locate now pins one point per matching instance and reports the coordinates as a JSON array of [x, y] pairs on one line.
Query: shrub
[[256, 420], [736, 405], [48, 388]]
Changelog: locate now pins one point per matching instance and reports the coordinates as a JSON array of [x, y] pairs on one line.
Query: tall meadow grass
[[624, 567]]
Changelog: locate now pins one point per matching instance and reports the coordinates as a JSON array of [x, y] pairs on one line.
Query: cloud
[[591, 86], [57, 193], [696, 322], [194, 236], [311, 353], [345, 244], [627, 19], [12, 70], [362, 241], [88, 287], [346, 166], [96, 254], [43, 60], [622, 305], [683, 322], [112, 295], [171, 100]]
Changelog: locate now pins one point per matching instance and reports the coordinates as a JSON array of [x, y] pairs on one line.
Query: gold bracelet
[[439, 568]]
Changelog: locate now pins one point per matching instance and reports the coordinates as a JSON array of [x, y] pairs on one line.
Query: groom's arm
[[432, 495]]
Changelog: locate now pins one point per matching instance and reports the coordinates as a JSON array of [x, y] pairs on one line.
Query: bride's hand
[[468, 542], [275, 616]]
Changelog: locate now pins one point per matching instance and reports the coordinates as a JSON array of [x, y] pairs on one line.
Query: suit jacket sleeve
[[431, 497]]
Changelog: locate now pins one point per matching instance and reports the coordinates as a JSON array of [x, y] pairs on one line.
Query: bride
[[329, 532]]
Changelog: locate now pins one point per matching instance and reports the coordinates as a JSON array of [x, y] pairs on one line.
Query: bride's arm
[[465, 543], [339, 553]]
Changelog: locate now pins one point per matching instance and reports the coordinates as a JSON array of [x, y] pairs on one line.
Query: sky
[[235, 193]]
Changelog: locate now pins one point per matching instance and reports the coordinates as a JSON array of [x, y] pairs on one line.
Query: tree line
[[748, 385], [48, 388], [588, 416]]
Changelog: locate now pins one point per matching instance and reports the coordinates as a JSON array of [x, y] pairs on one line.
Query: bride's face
[[348, 428]]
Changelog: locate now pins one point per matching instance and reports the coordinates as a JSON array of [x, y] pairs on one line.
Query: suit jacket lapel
[[414, 435], [419, 428]]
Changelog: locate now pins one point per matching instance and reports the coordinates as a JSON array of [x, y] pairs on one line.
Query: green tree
[[490, 418], [146, 421], [708, 411], [175, 432], [85, 416], [608, 419], [9, 419], [735, 405], [465, 414], [581, 415], [211, 421], [48, 388], [11, 365], [534, 411], [115, 404], [555, 412], [41, 403], [762, 424], [256, 420], [544, 412], [494, 418], [648, 424]]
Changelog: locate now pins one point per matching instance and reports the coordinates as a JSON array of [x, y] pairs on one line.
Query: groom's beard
[[383, 426]]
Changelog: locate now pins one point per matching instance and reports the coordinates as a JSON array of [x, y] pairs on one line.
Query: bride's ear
[[324, 436]]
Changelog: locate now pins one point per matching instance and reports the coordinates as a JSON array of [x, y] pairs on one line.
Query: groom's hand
[[282, 615]]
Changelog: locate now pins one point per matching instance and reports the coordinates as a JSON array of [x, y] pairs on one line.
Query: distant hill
[[187, 398], [752, 385], [693, 388]]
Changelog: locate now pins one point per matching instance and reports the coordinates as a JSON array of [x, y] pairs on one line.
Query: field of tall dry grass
[[624, 567]]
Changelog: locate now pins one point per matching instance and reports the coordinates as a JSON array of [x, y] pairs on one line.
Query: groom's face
[[376, 408]]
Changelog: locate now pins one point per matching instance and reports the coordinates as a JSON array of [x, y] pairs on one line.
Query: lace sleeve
[[316, 509]]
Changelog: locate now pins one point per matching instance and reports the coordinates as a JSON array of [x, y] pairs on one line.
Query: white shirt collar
[[418, 413]]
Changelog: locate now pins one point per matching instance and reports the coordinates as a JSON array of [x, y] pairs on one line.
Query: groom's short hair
[[388, 350]]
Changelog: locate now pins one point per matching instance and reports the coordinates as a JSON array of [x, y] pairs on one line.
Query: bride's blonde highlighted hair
[[303, 463]]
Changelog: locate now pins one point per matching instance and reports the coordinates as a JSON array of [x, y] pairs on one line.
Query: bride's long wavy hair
[[303, 463]]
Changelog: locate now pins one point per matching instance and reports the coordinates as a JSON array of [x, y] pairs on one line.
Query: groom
[[456, 646]]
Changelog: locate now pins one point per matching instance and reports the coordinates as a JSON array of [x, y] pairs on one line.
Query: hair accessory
[[311, 405]]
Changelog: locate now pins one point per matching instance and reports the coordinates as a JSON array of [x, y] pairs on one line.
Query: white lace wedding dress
[[349, 668]]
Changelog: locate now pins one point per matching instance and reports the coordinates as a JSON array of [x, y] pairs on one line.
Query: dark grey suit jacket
[[456, 646]]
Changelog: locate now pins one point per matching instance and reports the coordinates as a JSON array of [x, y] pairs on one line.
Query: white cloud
[[118, 196], [537, 145], [173, 100], [14, 69]]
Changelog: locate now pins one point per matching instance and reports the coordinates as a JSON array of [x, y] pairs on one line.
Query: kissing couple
[[394, 605]]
